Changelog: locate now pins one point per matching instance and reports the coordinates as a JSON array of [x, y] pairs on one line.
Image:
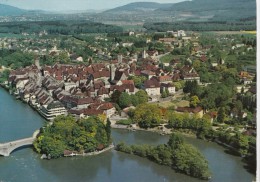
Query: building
[[53, 110], [169, 86], [152, 87], [197, 110]]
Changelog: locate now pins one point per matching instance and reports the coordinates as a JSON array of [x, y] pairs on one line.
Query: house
[[197, 110], [69, 85], [86, 112], [20, 82], [103, 93], [188, 73], [128, 88], [70, 101], [153, 53], [107, 108], [181, 33], [239, 88], [152, 87], [118, 75], [169, 86], [165, 79], [148, 74], [127, 44], [247, 81], [212, 116]]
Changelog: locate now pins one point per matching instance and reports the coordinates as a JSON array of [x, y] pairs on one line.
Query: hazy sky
[[57, 5]]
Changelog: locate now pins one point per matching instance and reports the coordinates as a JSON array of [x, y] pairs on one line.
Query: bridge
[[8, 147]]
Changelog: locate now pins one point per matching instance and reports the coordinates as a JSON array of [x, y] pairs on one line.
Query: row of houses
[[82, 89]]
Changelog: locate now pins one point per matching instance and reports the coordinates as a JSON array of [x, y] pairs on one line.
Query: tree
[[175, 141], [147, 115], [164, 94], [179, 85], [142, 96], [177, 154], [175, 119], [108, 129], [190, 161], [194, 101], [4, 75], [242, 143], [124, 100], [115, 96], [134, 100], [207, 103], [138, 80], [239, 106], [84, 135], [191, 87], [221, 115]]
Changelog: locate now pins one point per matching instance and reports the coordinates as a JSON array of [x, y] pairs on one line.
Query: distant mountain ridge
[[6, 10], [139, 6], [195, 10], [220, 9]]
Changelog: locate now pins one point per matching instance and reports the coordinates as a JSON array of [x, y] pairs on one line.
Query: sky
[[61, 5]]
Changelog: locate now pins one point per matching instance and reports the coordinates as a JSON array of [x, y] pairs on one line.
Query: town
[[203, 83]]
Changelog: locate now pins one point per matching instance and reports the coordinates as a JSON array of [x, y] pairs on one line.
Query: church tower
[[112, 72]]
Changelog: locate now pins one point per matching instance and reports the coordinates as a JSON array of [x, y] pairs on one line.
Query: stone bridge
[[8, 147]]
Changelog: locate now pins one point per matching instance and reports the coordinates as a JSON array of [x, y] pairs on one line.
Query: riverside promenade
[[8, 147]]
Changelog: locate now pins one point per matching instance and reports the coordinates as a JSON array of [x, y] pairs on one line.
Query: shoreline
[[164, 131], [154, 130], [111, 146], [98, 152]]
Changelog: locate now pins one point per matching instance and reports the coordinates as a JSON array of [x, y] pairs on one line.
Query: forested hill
[[139, 6], [58, 27], [6, 10], [221, 10]]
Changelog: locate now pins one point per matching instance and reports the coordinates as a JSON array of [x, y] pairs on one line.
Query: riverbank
[[98, 152], [137, 128], [108, 166], [162, 130]]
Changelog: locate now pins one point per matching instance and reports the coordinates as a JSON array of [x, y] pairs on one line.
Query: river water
[[17, 120]]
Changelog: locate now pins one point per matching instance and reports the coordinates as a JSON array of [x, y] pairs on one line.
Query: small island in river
[[176, 153], [68, 136]]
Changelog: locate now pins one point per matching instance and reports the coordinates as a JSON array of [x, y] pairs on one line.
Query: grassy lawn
[[182, 103], [166, 104], [167, 58]]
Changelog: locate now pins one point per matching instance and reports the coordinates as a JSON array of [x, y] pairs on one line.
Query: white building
[[53, 110]]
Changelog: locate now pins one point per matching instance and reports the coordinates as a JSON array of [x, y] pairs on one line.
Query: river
[[18, 120]]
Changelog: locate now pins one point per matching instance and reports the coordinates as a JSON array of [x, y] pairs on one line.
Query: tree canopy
[[147, 115], [176, 154], [66, 133]]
